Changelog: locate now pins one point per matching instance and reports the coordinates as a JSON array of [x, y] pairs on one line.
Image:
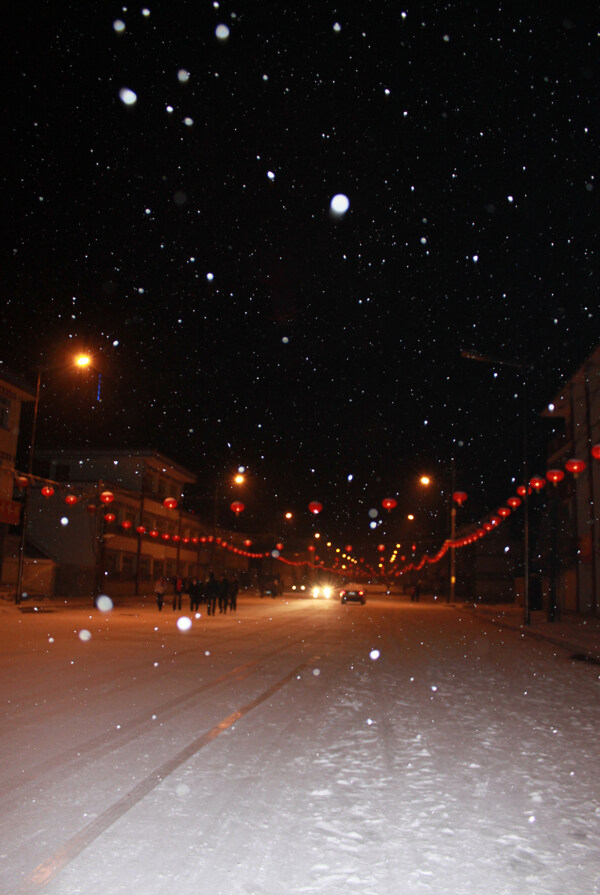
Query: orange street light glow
[[83, 360]]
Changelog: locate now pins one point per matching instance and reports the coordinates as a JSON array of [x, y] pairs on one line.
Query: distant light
[[340, 204], [188, 121], [274, 553], [271, 175], [551, 408], [83, 360], [64, 520], [119, 26], [145, 11], [285, 340], [337, 26], [183, 76], [210, 276], [373, 513], [127, 96], [222, 32], [475, 257]]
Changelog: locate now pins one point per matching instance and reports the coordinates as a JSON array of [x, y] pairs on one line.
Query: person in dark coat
[[211, 592], [223, 594], [159, 590], [233, 592], [195, 590]]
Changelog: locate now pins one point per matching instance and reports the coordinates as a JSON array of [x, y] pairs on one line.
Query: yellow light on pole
[[83, 360], [425, 480]]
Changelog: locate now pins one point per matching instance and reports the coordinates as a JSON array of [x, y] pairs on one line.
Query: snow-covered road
[[299, 746]]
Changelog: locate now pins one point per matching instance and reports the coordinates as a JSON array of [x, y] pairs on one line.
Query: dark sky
[[187, 239]]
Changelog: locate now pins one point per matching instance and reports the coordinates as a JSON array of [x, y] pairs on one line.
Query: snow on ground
[[274, 752]]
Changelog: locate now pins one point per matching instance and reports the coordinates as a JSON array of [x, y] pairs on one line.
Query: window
[[4, 412]]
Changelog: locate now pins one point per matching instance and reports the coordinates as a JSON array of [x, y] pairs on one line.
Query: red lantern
[[169, 503], [237, 507], [555, 476], [47, 490], [537, 482], [522, 490], [247, 543], [279, 546], [153, 533], [381, 547], [70, 499], [109, 517], [141, 529], [514, 502], [348, 548], [126, 523], [459, 497], [21, 482], [575, 466], [596, 452], [165, 535], [195, 540], [315, 507], [176, 537], [311, 548], [107, 497], [91, 508], [389, 503], [504, 512]]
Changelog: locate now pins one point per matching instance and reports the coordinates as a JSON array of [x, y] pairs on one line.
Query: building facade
[[114, 522], [13, 392], [571, 542]]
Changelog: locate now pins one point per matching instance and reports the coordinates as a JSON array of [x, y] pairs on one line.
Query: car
[[353, 593], [322, 590]]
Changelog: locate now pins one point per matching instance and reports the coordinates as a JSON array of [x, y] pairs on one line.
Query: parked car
[[353, 593]]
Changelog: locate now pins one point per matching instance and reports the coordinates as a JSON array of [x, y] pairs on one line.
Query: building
[[13, 392], [115, 522], [571, 542]]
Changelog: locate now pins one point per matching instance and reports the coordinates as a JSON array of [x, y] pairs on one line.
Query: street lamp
[[81, 361], [525, 368]]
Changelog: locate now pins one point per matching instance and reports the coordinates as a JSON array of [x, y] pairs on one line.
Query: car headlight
[[315, 591], [327, 592]]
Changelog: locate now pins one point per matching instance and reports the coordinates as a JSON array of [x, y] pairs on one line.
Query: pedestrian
[[177, 593], [223, 594], [415, 594], [159, 590], [233, 592], [211, 592], [195, 590]]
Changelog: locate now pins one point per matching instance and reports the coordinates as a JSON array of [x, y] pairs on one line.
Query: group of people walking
[[215, 593]]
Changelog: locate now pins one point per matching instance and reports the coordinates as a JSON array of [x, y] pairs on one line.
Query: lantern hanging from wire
[[107, 497], [555, 476], [537, 482], [388, 503], [109, 517], [575, 466], [514, 502], [169, 503], [504, 512], [459, 497], [596, 452], [315, 507], [47, 490], [71, 499], [237, 507]]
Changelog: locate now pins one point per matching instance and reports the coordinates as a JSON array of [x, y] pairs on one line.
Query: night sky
[[186, 239]]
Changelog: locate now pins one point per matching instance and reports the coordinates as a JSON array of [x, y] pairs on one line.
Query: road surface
[[298, 746]]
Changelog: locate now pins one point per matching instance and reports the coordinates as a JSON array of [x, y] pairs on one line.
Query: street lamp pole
[[25, 513], [506, 362]]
